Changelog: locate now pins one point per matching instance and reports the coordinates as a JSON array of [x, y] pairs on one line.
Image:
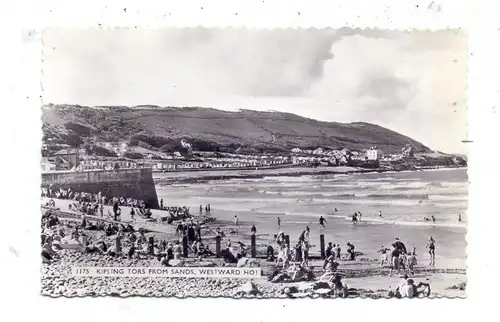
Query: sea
[[404, 198]]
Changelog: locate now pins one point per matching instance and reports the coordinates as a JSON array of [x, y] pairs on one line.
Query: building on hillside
[[66, 159], [407, 151], [318, 151], [372, 153], [47, 166]]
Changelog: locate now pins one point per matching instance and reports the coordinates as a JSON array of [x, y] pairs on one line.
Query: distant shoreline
[[168, 178]]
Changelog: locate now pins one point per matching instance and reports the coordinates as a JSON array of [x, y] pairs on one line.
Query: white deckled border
[[20, 131]]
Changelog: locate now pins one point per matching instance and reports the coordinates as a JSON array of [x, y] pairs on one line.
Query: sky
[[412, 82]]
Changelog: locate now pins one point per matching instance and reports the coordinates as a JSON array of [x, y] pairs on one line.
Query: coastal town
[[123, 156]]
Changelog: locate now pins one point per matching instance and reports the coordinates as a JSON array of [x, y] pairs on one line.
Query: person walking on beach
[[359, 215], [236, 222], [432, 251], [305, 254], [101, 210], [338, 251], [132, 214], [306, 235], [459, 218], [201, 210], [380, 214], [322, 222], [433, 219], [350, 251], [329, 250], [279, 223], [412, 261], [394, 259], [161, 204], [400, 245]]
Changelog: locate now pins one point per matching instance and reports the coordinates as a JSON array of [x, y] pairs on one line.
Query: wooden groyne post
[[253, 245], [84, 243], [198, 231], [151, 247], [217, 246], [322, 245], [185, 246], [118, 245]]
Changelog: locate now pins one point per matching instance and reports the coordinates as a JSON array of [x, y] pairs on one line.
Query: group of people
[[207, 209], [175, 211], [399, 258], [190, 229], [100, 198]]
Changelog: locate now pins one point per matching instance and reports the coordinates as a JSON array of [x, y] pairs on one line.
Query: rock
[[321, 285], [249, 288], [176, 262]]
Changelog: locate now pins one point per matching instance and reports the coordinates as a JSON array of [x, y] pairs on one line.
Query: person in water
[[354, 219], [279, 223], [380, 214], [432, 251], [459, 218], [322, 222], [433, 219]]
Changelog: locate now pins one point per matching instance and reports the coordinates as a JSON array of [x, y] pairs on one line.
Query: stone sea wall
[[133, 183]]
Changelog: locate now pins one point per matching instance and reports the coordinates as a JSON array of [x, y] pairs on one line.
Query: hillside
[[209, 129]]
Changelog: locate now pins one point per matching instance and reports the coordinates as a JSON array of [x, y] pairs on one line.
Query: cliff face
[[133, 183], [213, 130]]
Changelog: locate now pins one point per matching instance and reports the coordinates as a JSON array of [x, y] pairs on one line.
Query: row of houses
[[162, 166], [371, 154]]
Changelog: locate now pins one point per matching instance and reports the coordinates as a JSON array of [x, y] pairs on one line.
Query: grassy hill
[[208, 129]]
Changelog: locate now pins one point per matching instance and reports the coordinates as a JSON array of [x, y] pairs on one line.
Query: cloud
[[412, 82]]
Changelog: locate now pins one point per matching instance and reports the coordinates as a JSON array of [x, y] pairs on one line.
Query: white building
[[46, 167], [372, 153]]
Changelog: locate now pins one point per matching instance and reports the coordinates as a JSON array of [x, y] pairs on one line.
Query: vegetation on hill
[[207, 129]]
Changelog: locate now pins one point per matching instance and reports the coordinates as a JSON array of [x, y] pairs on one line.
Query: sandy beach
[[363, 276]]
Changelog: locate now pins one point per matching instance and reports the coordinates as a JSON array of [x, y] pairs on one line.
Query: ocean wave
[[389, 221], [452, 197], [381, 202]]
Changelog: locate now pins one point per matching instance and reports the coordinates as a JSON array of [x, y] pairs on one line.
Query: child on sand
[[412, 261], [383, 257]]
